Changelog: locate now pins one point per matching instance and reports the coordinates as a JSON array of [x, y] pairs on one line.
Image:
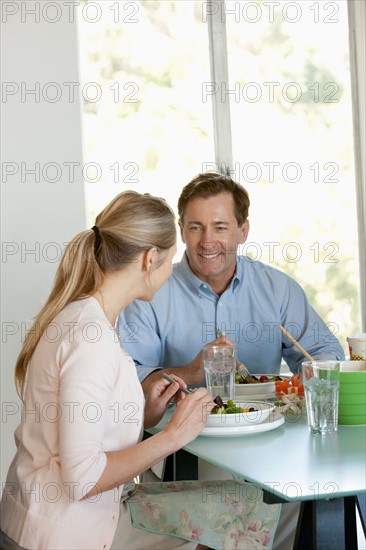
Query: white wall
[[34, 215]]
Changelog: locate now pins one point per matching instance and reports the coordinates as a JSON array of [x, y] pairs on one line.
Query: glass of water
[[321, 383], [220, 364]]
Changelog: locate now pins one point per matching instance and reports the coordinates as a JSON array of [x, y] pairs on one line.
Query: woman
[[79, 440]]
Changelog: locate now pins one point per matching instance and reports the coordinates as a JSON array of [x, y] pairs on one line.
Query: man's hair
[[211, 184]]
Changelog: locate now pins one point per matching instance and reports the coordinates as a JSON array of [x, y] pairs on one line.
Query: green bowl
[[352, 398], [352, 420]]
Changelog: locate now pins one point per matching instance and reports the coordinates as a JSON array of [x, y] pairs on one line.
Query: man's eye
[[221, 228], [195, 228]]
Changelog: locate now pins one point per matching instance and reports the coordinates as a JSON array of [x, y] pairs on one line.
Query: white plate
[[262, 410], [259, 390], [274, 421], [255, 397]]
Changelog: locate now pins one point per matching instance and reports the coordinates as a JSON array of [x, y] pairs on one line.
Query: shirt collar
[[197, 285]]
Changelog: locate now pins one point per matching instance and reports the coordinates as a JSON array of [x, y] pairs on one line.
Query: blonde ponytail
[[130, 224]]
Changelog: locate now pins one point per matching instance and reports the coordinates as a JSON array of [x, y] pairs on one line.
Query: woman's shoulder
[[80, 311], [79, 322]]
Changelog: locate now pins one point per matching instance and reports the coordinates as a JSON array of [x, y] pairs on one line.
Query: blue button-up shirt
[[171, 330]]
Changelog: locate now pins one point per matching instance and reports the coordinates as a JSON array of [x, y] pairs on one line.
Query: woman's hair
[[211, 184], [130, 224]]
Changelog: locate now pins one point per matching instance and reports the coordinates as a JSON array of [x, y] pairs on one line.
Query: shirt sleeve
[[139, 336], [307, 327], [88, 370]]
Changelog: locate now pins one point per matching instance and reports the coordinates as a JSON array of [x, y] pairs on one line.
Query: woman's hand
[[160, 394], [190, 417]]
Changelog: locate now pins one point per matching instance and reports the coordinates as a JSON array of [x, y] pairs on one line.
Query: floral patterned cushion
[[220, 514]]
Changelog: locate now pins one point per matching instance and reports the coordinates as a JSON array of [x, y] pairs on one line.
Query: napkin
[[220, 514]]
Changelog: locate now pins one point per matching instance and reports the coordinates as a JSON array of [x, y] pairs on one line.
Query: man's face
[[211, 235]]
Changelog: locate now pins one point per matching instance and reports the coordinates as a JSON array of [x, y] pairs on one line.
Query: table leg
[[181, 466], [327, 524], [361, 505], [303, 537], [350, 523]]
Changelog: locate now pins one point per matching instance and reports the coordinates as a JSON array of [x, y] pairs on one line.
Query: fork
[[184, 390], [241, 369]]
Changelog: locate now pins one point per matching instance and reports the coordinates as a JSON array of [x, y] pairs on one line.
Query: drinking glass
[[321, 383], [220, 363]]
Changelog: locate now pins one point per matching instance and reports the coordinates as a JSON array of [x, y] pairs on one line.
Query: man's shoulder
[[256, 274]]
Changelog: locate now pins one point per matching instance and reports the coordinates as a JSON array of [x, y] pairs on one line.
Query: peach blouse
[[82, 398]]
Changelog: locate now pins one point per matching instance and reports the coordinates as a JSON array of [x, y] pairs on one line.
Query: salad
[[229, 407], [253, 379]]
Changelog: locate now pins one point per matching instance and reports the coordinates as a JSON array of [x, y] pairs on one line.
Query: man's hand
[[193, 374], [196, 373]]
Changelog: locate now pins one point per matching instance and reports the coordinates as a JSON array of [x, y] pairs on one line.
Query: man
[[213, 289]]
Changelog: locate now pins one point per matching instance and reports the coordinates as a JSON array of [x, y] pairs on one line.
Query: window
[[145, 127], [148, 123], [292, 134]]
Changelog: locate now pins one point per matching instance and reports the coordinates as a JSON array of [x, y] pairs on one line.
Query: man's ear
[[244, 232], [180, 223]]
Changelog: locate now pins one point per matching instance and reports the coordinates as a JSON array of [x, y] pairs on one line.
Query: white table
[[326, 473]]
